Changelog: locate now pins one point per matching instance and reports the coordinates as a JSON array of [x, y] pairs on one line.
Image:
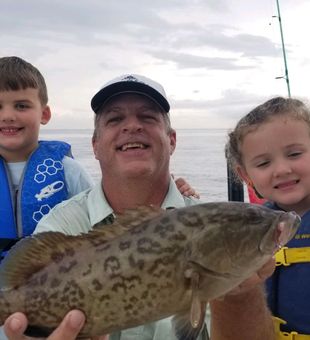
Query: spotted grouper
[[148, 265]]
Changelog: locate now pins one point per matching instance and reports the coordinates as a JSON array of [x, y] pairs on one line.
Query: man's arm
[[243, 314]]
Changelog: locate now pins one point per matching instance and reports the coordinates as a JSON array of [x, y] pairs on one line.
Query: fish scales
[[122, 276]]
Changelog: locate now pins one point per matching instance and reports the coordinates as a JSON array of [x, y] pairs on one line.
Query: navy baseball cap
[[131, 83]]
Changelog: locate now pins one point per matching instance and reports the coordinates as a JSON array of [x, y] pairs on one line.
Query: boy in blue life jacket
[[34, 175]]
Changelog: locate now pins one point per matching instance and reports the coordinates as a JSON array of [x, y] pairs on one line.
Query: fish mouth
[[133, 146], [284, 231], [287, 227]]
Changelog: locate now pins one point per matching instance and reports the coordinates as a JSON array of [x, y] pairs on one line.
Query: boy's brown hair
[[17, 74]]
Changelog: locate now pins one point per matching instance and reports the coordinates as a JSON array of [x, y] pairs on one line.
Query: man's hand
[[16, 324]]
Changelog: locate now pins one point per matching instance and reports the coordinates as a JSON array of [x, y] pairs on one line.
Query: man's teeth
[[132, 146]]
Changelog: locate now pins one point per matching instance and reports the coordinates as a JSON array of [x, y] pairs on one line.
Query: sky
[[217, 59]]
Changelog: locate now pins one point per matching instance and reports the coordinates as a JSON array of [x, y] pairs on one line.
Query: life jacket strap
[[286, 256], [277, 322]]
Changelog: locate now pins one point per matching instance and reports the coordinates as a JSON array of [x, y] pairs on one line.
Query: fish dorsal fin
[[31, 254], [125, 221], [107, 232], [133, 217], [187, 326]]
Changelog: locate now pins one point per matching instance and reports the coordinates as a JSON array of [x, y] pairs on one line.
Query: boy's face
[[276, 158], [21, 114]]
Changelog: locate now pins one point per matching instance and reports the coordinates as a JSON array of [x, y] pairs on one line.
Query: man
[[133, 141]]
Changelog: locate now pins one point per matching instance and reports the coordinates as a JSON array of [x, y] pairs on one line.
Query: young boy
[[34, 175]]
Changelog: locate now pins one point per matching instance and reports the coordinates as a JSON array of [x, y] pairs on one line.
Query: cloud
[[216, 58], [222, 112], [189, 61]]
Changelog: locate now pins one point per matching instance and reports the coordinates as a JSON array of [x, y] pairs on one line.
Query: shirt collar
[[98, 206], [174, 198]]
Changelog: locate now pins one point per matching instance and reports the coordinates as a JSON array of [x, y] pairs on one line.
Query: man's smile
[[132, 145]]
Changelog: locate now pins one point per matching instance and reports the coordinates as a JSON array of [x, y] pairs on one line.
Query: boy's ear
[[46, 115]]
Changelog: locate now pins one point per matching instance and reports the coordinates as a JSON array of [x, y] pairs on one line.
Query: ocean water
[[199, 157]]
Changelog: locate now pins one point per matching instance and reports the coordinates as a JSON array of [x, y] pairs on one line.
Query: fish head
[[236, 240], [262, 232]]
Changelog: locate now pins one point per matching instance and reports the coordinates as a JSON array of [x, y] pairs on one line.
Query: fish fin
[[34, 252], [124, 222], [28, 256], [107, 232], [195, 311], [183, 328], [133, 217], [189, 325]]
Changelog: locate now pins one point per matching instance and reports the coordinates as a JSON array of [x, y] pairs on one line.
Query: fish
[[148, 265]]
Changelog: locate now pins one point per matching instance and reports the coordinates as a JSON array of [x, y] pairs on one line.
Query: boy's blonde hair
[[17, 74], [295, 108]]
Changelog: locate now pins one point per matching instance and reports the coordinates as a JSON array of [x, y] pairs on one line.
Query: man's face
[[132, 138]]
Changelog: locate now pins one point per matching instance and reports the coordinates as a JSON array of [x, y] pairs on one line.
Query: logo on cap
[[131, 78]]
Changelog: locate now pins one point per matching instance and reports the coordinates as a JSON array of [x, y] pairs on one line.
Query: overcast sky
[[217, 59]]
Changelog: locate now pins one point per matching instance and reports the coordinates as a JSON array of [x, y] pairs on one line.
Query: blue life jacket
[[41, 187], [289, 287]]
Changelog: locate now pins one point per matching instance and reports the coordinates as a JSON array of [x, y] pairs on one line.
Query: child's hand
[[185, 189]]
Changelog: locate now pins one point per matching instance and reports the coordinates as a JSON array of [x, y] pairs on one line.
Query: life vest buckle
[[277, 322], [286, 256], [281, 258], [290, 336]]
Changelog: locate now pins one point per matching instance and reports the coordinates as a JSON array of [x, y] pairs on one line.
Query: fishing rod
[[286, 77], [236, 189]]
